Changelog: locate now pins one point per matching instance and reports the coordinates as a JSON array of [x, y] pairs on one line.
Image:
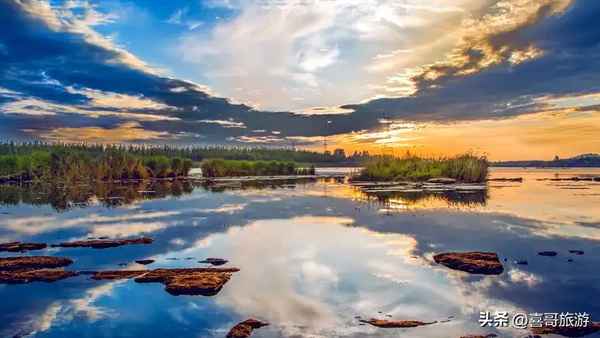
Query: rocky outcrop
[[442, 180], [191, 281], [390, 324], [577, 252], [195, 281], [245, 328], [214, 261], [568, 331], [548, 253], [33, 262], [40, 275], [485, 263], [21, 247], [104, 243]]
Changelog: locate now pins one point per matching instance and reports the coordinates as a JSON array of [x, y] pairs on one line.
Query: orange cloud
[[125, 132]]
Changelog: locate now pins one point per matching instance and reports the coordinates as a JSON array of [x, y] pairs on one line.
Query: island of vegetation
[[466, 168], [236, 168]]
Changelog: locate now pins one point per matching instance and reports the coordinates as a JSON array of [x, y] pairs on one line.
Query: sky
[[511, 79]]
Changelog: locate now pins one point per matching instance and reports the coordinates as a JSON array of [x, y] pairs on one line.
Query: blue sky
[[386, 73]]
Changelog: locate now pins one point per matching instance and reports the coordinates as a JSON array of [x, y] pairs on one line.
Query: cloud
[[126, 132], [442, 62], [225, 123], [304, 49]]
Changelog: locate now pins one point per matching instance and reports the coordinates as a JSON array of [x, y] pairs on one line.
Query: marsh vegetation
[[467, 168]]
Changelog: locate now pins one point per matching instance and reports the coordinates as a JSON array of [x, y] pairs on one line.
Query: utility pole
[[325, 136]]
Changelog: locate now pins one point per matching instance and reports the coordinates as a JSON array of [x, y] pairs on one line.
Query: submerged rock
[[39, 275], [194, 281], [390, 324], [577, 252], [522, 262], [104, 243], [214, 261], [485, 263], [442, 180], [506, 179], [145, 261], [569, 331], [32, 262], [245, 328], [19, 247], [548, 253], [186, 281], [117, 274]]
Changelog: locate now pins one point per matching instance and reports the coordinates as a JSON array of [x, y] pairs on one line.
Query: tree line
[[195, 153]]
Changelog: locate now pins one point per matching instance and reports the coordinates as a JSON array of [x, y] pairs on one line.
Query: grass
[[466, 168], [80, 165], [227, 168]]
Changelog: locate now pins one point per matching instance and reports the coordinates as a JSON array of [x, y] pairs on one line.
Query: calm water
[[312, 256]]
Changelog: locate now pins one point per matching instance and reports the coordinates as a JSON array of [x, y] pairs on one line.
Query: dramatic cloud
[[126, 132], [301, 69]]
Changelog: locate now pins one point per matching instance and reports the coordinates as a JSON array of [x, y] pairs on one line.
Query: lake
[[313, 256]]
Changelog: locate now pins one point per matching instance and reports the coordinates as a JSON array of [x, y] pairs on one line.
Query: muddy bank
[[485, 263], [40, 275], [184, 281], [245, 328], [214, 261], [104, 243], [390, 324], [22, 247], [568, 331], [33, 262]]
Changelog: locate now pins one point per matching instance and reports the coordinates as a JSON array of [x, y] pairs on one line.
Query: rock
[[577, 252], [194, 281], [522, 262], [40, 275], [118, 274], [245, 328], [145, 261], [191, 281], [20, 247], [568, 331], [214, 261], [442, 180], [548, 253], [506, 179], [570, 260], [390, 324], [491, 335], [32, 262], [104, 243], [485, 263]]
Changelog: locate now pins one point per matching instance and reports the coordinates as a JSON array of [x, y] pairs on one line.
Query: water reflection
[[428, 199], [63, 197], [313, 255]]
